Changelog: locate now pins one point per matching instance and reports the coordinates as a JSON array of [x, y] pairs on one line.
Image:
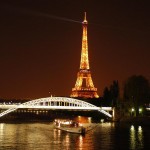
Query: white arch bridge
[[55, 103]]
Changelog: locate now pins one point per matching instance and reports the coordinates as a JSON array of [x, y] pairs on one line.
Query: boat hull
[[78, 130]]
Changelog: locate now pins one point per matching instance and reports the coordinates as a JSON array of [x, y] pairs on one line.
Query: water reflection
[[132, 137], [136, 137], [80, 141], [140, 136], [66, 142], [40, 136]]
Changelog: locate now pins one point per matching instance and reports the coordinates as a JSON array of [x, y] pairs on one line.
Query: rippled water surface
[[43, 136]]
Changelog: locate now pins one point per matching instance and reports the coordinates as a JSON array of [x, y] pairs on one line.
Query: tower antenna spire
[[85, 21], [85, 16]]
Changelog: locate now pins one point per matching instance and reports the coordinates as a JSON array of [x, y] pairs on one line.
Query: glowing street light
[[140, 110], [132, 109]]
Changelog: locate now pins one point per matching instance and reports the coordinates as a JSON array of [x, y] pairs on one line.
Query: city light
[[140, 110], [132, 109]]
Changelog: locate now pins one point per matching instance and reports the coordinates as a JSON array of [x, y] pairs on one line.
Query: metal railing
[[55, 103]]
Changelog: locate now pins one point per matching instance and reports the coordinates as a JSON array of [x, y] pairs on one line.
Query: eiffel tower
[[84, 87]]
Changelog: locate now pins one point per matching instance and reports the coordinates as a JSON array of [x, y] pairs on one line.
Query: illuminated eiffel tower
[[84, 86]]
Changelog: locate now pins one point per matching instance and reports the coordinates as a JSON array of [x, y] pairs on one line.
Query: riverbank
[[144, 120]]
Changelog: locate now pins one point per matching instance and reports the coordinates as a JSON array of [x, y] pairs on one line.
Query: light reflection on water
[[43, 136], [136, 137], [80, 141]]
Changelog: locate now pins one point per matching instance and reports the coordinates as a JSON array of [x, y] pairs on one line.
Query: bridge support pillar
[[115, 114]]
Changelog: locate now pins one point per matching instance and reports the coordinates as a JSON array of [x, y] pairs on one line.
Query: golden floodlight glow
[[84, 86]]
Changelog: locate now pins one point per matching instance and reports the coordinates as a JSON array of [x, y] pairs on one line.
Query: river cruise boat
[[69, 126]]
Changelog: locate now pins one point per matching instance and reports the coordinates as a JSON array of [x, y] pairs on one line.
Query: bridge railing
[[57, 103]]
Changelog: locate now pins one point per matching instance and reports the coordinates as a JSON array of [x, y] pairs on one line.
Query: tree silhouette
[[111, 94], [137, 91], [114, 90], [107, 97]]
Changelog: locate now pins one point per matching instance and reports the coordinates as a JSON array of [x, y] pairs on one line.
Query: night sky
[[40, 44]]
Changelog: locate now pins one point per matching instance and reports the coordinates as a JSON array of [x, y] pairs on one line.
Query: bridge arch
[[57, 103]]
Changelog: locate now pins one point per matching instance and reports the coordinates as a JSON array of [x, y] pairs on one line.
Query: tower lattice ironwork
[[84, 86]]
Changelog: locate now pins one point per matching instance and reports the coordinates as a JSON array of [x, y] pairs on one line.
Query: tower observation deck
[[84, 86]]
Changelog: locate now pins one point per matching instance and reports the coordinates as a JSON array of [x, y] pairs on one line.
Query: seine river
[[43, 136]]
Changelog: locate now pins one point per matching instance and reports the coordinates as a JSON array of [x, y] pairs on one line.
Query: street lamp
[[140, 110], [132, 111]]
